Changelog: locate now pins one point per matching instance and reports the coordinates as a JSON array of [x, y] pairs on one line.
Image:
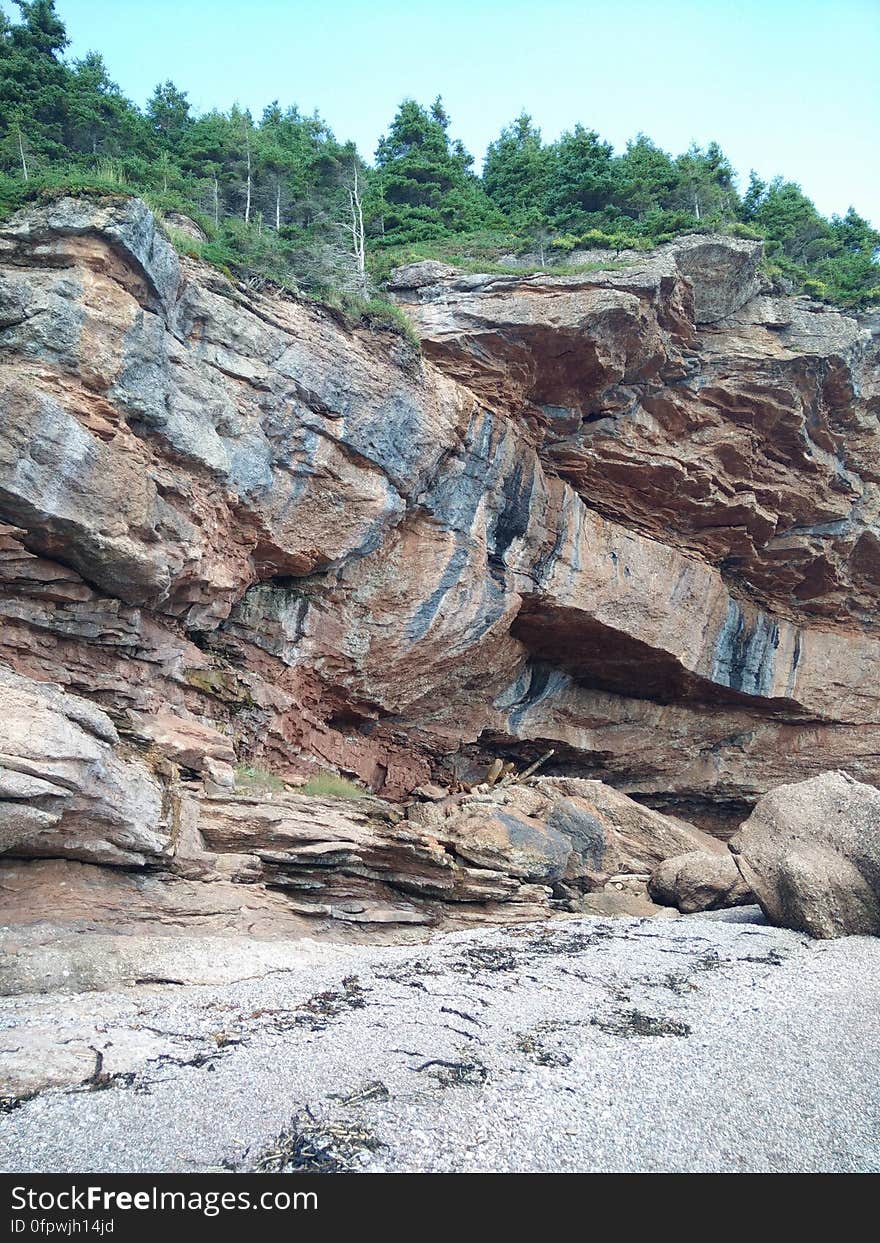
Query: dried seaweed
[[456, 1074], [307, 1146], [322, 1007], [635, 1023]]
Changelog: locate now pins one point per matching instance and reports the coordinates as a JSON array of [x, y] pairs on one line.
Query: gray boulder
[[811, 854], [723, 272], [502, 839], [127, 222], [699, 881], [419, 275], [611, 832]]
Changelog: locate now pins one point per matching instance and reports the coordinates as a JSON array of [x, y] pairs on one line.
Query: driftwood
[[496, 768], [513, 776], [500, 774]]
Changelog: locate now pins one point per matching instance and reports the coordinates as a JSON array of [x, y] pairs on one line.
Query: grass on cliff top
[[485, 251], [477, 254], [378, 313], [302, 265]]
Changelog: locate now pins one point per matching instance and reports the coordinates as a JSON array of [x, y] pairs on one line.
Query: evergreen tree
[[853, 234], [424, 187], [582, 177], [753, 197], [648, 178], [706, 184], [168, 112], [851, 272], [516, 170], [33, 82], [791, 223], [99, 120]]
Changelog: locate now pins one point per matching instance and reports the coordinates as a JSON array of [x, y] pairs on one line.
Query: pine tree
[[705, 183], [33, 81], [793, 226], [424, 187], [516, 170], [99, 120], [582, 177], [168, 111], [648, 178]]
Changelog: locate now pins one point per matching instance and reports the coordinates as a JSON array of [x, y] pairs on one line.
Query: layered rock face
[[629, 515], [64, 789], [705, 625]]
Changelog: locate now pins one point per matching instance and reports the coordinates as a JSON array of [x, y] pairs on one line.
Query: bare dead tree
[[247, 145], [356, 229], [24, 167]]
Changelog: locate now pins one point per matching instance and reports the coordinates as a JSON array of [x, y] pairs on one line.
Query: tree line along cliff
[[280, 197]]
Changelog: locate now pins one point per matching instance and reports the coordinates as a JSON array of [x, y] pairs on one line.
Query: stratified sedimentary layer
[[630, 515], [709, 415]]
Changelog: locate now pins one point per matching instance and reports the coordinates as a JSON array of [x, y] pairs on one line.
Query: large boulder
[[185, 741], [570, 832], [611, 832], [811, 854], [419, 275], [723, 271], [65, 791], [699, 881]]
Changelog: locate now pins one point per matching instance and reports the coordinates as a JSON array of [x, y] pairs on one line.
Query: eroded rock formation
[[708, 612], [630, 515]]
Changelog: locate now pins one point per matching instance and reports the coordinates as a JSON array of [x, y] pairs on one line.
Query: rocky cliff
[[630, 516]]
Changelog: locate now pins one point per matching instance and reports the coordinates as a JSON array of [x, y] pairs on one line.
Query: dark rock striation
[[629, 515]]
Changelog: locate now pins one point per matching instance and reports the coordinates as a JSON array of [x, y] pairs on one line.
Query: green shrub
[[329, 785], [12, 194], [184, 243], [250, 779], [815, 288], [380, 313], [748, 231], [565, 242]]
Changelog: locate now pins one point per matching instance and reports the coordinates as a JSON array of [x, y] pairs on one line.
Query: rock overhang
[[329, 556]]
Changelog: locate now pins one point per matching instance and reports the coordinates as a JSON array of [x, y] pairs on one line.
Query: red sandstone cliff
[[630, 515]]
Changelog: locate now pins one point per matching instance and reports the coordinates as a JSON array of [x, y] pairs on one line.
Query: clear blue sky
[[787, 86]]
